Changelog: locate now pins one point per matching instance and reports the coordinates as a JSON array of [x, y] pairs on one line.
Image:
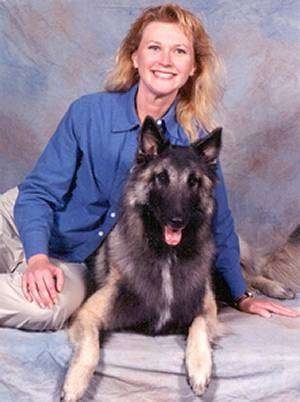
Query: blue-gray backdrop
[[52, 51]]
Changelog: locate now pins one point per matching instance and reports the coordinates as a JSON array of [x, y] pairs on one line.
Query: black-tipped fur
[[153, 272]]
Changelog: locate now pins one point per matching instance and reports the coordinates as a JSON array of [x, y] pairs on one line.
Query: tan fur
[[284, 266], [198, 356], [94, 316], [210, 313], [84, 334], [140, 287], [275, 274]]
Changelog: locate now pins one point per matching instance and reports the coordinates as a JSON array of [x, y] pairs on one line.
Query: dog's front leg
[[198, 357], [84, 333]]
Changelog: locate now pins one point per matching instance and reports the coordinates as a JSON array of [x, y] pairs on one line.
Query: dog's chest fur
[[159, 295], [167, 296], [162, 245]]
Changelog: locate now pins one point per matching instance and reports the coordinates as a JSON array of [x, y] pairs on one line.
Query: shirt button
[[101, 233], [159, 122], [113, 215]]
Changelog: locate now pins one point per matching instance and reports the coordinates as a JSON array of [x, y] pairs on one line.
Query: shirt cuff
[[236, 284], [35, 242]]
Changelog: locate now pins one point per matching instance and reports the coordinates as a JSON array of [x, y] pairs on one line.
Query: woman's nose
[[166, 59]]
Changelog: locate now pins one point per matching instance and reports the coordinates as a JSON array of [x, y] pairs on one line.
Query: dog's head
[[172, 186]]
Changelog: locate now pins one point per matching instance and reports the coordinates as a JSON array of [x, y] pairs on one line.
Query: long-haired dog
[[153, 271], [275, 274]]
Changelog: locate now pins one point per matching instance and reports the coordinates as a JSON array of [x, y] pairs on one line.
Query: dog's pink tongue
[[172, 236]]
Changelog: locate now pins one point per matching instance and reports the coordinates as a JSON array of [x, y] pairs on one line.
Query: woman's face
[[164, 59]]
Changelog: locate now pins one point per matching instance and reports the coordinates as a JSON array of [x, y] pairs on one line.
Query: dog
[[153, 270], [275, 274]]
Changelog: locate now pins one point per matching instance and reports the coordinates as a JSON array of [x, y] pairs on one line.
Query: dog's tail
[[276, 274]]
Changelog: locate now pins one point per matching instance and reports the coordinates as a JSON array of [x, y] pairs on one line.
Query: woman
[[166, 67]]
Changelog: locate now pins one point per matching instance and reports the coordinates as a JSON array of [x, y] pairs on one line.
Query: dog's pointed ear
[[151, 142], [209, 147]]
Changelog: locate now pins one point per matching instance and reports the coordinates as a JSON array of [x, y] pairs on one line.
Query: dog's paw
[[271, 287], [278, 291], [199, 382], [69, 395], [286, 293], [199, 375]]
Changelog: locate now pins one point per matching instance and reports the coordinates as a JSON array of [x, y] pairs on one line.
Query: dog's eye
[[162, 178], [193, 180]]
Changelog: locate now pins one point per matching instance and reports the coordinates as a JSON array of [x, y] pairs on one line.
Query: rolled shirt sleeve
[[227, 260]]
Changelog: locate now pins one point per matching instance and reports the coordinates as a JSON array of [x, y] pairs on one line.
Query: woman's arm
[[227, 261], [41, 192], [44, 189]]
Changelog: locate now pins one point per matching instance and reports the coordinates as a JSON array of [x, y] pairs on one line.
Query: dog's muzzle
[[173, 231]]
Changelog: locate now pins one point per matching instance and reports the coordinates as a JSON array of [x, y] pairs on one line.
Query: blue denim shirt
[[69, 202]]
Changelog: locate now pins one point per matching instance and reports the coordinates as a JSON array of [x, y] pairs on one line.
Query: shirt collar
[[173, 130], [125, 118], [124, 114]]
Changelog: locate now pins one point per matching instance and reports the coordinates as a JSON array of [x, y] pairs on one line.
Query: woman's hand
[[42, 281], [265, 308]]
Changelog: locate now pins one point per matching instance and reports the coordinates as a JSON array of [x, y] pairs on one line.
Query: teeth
[[161, 74]]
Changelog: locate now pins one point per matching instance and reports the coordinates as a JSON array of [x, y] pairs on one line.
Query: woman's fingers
[[41, 283]]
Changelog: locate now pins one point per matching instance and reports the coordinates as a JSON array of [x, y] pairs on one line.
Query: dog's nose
[[177, 222]]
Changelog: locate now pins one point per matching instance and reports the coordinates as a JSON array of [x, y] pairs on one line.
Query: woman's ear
[[134, 60], [193, 71]]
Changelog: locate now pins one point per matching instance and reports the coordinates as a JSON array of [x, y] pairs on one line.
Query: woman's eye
[[153, 47], [180, 51]]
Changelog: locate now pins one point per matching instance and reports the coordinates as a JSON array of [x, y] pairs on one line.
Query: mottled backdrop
[[52, 51]]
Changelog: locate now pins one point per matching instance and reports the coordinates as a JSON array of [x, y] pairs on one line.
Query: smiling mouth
[[164, 75]]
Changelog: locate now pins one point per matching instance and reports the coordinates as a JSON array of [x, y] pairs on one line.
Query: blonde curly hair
[[198, 99]]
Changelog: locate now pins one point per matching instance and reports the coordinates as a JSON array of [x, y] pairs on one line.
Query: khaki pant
[[15, 310]]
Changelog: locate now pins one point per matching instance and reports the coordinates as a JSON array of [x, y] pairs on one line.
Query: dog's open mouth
[[172, 236]]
